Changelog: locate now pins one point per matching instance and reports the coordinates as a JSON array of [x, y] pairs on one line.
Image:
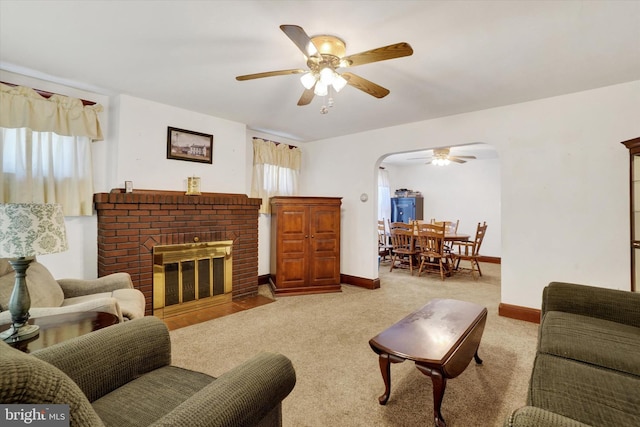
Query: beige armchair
[[112, 294]]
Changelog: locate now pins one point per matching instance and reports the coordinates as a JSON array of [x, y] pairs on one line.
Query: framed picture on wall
[[189, 145]]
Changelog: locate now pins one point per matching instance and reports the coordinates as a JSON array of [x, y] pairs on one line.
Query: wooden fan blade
[[300, 38], [270, 74], [392, 51], [465, 157], [457, 160], [306, 97], [365, 85]]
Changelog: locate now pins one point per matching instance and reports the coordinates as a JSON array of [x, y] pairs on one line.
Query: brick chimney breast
[[131, 224]]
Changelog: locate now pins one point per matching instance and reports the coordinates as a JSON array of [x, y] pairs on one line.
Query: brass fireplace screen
[[191, 277]]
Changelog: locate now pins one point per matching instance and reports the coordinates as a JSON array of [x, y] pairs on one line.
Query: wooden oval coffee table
[[441, 338]]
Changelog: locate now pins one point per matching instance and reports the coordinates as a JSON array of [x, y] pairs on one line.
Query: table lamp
[[27, 230]]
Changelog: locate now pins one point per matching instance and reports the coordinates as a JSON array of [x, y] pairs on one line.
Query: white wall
[[467, 192], [142, 149], [564, 180]]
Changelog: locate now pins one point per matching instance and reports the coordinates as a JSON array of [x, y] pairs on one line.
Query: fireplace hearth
[[131, 225]]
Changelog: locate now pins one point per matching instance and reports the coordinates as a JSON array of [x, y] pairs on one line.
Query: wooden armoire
[[305, 245]]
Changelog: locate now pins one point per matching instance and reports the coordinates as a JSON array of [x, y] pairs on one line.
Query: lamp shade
[[30, 229]]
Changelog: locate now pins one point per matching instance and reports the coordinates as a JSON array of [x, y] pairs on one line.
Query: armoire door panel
[[293, 273], [325, 245], [294, 246], [294, 222], [323, 220], [324, 271]]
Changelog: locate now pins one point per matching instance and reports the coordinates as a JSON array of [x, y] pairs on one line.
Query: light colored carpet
[[338, 379]]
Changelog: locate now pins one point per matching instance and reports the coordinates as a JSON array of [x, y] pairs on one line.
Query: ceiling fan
[[325, 55], [442, 157]]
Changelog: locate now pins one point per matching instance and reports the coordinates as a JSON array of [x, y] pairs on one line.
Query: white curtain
[[276, 168], [42, 167], [45, 149], [384, 195]]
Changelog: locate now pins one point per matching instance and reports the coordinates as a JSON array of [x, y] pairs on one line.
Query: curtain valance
[[270, 153], [23, 107]]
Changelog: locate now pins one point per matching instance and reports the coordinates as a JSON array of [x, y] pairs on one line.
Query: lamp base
[[19, 333]]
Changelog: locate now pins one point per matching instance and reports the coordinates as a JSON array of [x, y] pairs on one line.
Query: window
[[45, 149], [43, 167], [275, 171]]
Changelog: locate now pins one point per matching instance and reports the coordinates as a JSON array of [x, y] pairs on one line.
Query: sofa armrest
[[240, 397], [529, 416], [78, 287], [104, 360], [607, 304]]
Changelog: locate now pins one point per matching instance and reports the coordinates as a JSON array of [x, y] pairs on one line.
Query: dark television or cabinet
[[405, 209]]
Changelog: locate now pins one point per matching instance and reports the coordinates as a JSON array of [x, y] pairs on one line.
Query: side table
[[61, 327]]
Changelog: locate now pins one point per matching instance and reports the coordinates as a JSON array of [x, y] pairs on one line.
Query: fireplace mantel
[[131, 224]]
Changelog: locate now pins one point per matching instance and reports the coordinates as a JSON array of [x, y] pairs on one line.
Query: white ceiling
[[468, 55]]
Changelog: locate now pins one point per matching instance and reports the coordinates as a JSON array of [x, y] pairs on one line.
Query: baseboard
[[360, 281], [520, 313], [264, 279], [490, 259]]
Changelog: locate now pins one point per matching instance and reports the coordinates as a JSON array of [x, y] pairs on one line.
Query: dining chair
[[384, 247], [451, 227], [402, 225], [470, 251], [431, 250], [404, 250]]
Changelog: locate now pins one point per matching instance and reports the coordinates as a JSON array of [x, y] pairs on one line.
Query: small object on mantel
[[128, 186], [193, 186]]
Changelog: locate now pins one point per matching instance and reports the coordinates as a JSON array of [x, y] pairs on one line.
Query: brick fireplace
[[130, 225]]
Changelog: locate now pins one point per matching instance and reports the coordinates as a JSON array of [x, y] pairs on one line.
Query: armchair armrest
[[529, 416], [106, 304], [607, 304], [240, 397], [104, 360], [77, 287]]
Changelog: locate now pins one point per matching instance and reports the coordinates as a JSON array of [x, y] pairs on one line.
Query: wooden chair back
[[477, 241], [402, 240], [451, 227], [431, 240], [401, 225]]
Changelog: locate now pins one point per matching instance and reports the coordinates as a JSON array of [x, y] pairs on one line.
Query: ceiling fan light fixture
[[308, 80], [441, 161], [326, 76], [339, 82], [321, 89]]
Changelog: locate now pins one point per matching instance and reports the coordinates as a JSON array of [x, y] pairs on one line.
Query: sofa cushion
[[123, 408], [43, 288], [584, 392], [591, 340]]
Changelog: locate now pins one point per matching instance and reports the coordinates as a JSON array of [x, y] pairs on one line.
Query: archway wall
[[564, 195]]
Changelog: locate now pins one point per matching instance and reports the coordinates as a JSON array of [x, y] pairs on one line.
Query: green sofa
[[587, 366], [121, 376]]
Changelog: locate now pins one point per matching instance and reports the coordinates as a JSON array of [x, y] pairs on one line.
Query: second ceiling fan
[[326, 54]]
